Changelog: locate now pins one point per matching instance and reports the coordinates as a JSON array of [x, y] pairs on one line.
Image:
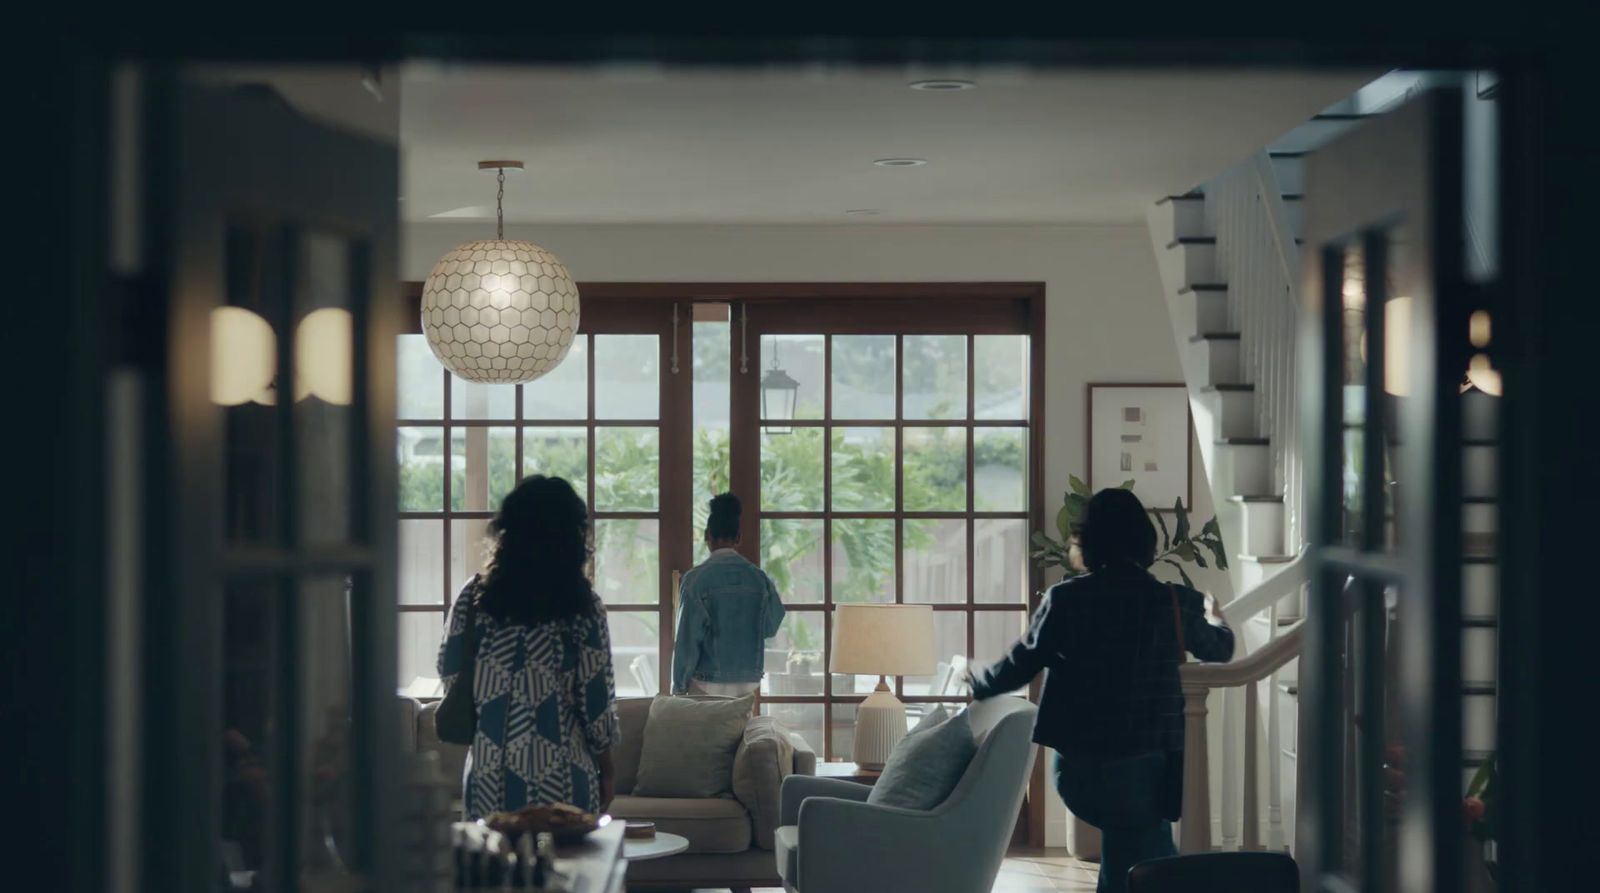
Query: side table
[[848, 772]]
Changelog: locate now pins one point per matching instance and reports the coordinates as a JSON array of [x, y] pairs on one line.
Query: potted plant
[[1179, 545], [1481, 807]]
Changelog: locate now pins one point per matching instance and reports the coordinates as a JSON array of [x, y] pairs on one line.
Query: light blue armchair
[[832, 841]]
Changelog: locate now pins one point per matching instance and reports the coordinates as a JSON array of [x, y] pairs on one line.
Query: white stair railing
[[1240, 682]]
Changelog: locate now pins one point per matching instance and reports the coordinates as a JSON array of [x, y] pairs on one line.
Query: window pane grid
[[966, 475], [472, 443]]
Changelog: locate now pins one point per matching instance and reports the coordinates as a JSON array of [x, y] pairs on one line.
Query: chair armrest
[[848, 846], [796, 788]]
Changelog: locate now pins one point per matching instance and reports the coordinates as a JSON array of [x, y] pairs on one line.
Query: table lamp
[[881, 640]]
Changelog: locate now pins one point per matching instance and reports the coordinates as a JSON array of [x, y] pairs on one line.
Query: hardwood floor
[[1027, 871]]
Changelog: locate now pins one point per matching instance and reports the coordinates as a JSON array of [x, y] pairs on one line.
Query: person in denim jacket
[[728, 608]]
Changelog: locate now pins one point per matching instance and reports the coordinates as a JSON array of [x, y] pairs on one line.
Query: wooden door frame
[[840, 308], [878, 307], [1418, 184]]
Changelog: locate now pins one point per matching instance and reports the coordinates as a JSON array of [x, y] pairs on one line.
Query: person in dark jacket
[[1112, 708]]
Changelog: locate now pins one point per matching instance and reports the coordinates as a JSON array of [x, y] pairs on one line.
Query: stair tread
[[1289, 688], [1479, 688], [1264, 497], [1213, 336], [1484, 621], [1243, 441], [1203, 286], [1294, 196], [1342, 116], [1474, 758], [1218, 388], [1192, 240], [1286, 154], [1186, 197]]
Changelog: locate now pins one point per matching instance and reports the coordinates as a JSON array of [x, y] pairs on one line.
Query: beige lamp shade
[[883, 640]]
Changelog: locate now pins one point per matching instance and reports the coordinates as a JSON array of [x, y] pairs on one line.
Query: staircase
[[1228, 253]]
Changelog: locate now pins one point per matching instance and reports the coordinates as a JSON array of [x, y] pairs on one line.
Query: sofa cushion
[[631, 716], [689, 746], [712, 824], [764, 758], [926, 765], [786, 849]]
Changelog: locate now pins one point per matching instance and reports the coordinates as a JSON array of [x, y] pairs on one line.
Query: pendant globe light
[[499, 311]]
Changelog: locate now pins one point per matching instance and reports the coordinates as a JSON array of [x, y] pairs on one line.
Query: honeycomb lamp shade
[[499, 311]]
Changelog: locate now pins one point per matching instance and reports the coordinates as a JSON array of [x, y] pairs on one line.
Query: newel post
[[1195, 830]]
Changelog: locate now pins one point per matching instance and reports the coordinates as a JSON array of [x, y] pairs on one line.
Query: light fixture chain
[[500, 205]]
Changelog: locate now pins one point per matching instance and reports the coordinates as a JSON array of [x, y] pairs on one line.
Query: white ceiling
[[635, 145]]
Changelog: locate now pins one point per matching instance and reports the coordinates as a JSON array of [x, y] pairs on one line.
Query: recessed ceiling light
[[900, 162], [944, 85]]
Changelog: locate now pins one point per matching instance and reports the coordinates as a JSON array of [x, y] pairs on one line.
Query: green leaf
[[1211, 528], [1166, 541], [1214, 543], [1126, 485], [1078, 486], [1182, 521], [1480, 779], [1181, 572], [1064, 521]]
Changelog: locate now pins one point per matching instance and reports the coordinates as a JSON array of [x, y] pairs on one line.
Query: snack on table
[[563, 821], [639, 830]]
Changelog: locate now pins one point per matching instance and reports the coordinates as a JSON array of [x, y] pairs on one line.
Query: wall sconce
[[243, 357], [322, 361]]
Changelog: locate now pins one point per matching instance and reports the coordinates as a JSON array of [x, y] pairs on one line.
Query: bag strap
[[1177, 623], [472, 630]]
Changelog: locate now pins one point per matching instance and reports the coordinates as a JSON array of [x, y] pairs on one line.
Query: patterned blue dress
[[546, 698]]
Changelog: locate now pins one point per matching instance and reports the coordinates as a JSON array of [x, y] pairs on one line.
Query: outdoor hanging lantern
[[499, 311], [779, 391]]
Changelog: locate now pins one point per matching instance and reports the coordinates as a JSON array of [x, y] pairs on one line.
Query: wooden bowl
[[639, 830]]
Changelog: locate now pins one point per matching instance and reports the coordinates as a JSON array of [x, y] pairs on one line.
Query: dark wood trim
[[1088, 427], [769, 292], [1037, 787]]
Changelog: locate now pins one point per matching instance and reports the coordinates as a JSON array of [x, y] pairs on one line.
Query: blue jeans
[[1122, 796]]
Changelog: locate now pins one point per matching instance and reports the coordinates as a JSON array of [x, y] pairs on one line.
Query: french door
[[612, 420], [1385, 340], [885, 451], [268, 751]]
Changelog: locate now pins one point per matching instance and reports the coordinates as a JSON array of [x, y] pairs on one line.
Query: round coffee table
[[658, 847]]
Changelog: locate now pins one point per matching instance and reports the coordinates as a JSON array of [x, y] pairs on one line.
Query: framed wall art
[[1142, 433]]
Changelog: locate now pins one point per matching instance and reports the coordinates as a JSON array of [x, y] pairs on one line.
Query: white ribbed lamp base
[[880, 724]]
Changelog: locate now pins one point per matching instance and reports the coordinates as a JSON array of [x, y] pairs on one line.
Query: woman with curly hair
[[543, 682]]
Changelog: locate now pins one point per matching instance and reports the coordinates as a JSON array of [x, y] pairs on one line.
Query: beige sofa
[[730, 838]]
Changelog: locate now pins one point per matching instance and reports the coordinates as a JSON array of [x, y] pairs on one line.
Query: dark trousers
[[1122, 796]]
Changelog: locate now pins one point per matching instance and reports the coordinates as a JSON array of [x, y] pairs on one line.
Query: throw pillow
[[926, 765], [689, 745]]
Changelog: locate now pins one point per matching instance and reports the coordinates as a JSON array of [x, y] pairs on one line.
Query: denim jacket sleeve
[[773, 611], [693, 622]]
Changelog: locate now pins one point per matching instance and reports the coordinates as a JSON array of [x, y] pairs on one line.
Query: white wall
[[1105, 319]]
